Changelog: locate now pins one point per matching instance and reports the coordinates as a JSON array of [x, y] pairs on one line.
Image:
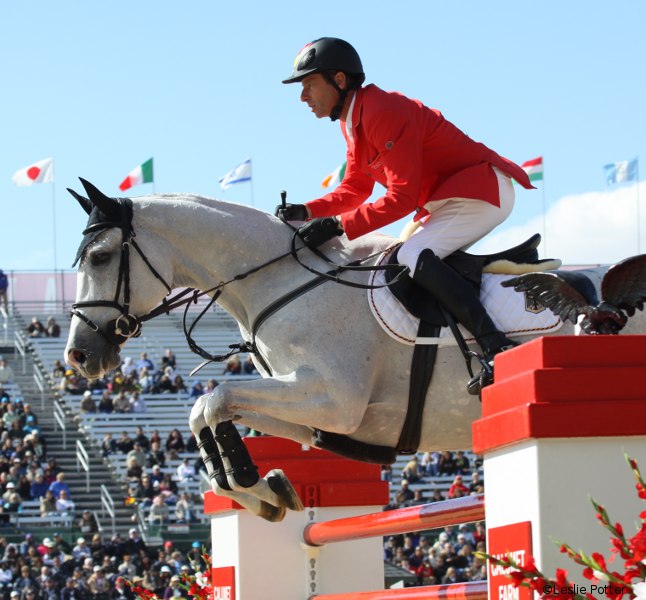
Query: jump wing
[[624, 284], [566, 294]]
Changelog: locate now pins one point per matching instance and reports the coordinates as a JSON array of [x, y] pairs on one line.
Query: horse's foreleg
[[217, 475], [242, 473]]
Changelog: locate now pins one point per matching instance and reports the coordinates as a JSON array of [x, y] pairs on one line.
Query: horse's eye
[[99, 258]]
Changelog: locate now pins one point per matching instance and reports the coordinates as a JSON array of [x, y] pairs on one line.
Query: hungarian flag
[[534, 168], [141, 174], [335, 177], [40, 172]]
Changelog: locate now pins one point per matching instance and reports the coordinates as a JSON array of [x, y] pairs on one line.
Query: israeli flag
[[240, 174], [620, 172]]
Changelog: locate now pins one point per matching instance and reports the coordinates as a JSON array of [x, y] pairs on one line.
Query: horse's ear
[[105, 204], [82, 200]]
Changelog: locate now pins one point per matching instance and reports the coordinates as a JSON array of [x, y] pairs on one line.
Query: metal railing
[[59, 421], [42, 385], [20, 347], [83, 460], [107, 506]]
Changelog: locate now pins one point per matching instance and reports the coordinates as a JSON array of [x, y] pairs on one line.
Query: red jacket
[[416, 154]]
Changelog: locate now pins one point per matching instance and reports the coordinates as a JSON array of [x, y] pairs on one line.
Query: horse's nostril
[[77, 356]]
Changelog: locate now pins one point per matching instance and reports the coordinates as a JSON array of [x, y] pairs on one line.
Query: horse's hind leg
[[242, 473]]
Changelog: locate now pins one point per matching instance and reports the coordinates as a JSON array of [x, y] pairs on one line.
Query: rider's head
[[328, 69]]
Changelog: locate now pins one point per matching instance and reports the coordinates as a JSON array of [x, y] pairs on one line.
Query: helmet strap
[[337, 109]]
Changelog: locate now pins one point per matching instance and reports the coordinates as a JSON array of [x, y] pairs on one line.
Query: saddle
[[421, 304]]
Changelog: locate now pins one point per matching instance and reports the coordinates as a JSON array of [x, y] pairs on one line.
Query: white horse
[[327, 364]]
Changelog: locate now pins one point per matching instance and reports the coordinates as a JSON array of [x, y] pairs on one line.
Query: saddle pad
[[511, 311]]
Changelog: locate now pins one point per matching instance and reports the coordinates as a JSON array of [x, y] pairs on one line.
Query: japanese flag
[[40, 172]]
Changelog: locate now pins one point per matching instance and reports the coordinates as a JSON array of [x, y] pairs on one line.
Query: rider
[[459, 189]]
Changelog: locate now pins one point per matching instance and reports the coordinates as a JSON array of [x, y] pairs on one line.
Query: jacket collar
[[349, 126]]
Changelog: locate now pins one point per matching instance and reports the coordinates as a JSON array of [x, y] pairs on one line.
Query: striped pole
[[412, 518], [472, 590]]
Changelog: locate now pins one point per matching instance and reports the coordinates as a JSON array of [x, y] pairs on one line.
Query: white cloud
[[591, 228]]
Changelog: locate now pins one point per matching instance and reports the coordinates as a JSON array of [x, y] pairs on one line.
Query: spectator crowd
[[53, 569], [447, 557], [120, 391]]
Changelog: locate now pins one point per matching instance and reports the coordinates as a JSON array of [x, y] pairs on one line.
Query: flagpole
[[638, 209], [251, 181], [544, 212], [54, 224]]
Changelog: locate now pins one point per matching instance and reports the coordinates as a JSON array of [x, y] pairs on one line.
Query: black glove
[[318, 231], [291, 212]]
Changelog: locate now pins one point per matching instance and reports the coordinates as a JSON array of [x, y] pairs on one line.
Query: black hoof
[[281, 486], [479, 381]]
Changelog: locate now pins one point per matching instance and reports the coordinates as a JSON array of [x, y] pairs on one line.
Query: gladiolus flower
[[529, 565]]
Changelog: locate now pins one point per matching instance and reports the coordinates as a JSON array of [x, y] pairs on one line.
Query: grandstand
[[99, 483]]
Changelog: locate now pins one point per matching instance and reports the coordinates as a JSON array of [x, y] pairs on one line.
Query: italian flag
[[40, 172], [334, 178], [141, 174], [534, 168]]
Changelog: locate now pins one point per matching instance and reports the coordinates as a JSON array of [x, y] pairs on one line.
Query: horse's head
[[115, 285]]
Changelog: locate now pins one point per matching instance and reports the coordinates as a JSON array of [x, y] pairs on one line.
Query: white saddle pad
[[511, 311]]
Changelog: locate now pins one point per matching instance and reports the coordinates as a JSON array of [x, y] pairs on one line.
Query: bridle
[[126, 325]]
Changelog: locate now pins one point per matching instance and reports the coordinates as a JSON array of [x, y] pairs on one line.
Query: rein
[[127, 325]]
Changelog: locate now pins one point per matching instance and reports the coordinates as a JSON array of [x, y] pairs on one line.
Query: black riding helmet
[[327, 56]]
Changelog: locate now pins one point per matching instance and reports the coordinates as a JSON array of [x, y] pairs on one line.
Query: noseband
[[126, 325]]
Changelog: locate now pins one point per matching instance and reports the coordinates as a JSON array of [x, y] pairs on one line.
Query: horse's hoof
[[272, 513], [282, 487]]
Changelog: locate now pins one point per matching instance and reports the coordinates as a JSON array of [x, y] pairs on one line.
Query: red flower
[[538, 584], [616, 590], [637, 545], [530, 565], [517, 577], [641, 490], [620, 548], [600, 560]]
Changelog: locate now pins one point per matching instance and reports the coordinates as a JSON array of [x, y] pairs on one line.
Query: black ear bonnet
[[104, 213]]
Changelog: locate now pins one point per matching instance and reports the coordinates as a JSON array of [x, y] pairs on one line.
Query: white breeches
[[457, 224]]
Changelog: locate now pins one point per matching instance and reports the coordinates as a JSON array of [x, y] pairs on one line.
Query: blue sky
[[103, 86]]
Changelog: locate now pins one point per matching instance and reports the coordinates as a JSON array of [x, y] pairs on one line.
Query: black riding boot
[[461, 299]]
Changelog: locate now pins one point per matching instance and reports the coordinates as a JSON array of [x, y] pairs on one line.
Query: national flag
[[534, 168], [620, 172], [334, 178], [40, 172], [240, 174], [141, 174]]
